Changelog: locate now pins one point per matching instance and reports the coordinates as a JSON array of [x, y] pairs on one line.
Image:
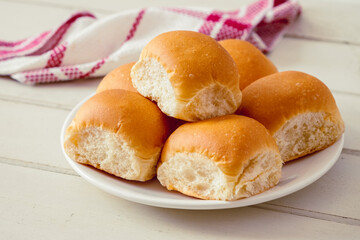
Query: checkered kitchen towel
[[86, 47]]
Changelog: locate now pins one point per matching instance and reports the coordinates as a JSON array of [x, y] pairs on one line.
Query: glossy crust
[[139, 121], [230, 141], [251, 62], [119, 78], [276, 98], [193, 61]]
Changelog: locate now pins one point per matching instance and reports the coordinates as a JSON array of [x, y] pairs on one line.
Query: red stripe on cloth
[[56, 56], [76, 73], [207, 27], [228, 32], [268, 32], [271, 31], [47, 75], [235, 24], [135, 25], [48, 43], [35, 42], [233, 28], [279, 2], [94, 68], [210, 22], [11, 44], [59, 33], [254, 9], [39, 76], [71, 72], [214, 17]]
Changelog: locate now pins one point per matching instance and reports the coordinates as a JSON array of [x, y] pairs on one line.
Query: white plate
[[295, 176]]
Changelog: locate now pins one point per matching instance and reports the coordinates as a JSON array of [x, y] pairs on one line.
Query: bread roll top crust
[[119, 78], [193, 61], [230, 141], [251, 62], [274, 99], [139, 121]]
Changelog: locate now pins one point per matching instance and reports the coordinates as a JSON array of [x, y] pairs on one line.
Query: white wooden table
[[41, 197]]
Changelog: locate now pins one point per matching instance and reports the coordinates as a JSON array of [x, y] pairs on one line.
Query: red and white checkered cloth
[[83, 46]]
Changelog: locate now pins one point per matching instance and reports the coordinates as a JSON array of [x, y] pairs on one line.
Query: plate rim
[[192, 203]]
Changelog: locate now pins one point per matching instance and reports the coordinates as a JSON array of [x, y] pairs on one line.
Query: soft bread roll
[[119, 78], [189, 75], [223, 158], [251, 62], [298, 110], [119, 132]]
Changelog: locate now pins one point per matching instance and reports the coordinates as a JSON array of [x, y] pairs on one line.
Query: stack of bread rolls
[[212, 120]]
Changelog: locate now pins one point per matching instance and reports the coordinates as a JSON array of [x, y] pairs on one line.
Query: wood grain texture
[[40, 203], [31, 133], [337, 65], [21, 20], [349, 108], [336, 193], [63, 95], [328, 20]]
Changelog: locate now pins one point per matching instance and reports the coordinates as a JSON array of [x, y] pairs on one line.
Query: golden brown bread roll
[[223, 158], [189, 75], [119, 78], [298, 110], [120, 132], [251, 62]]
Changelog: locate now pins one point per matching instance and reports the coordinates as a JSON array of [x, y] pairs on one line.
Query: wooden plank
[[21, 20], [337, 193], [64, 95], [36, 204], [337, 65], [328, 20], [348, 105], [31, 133]]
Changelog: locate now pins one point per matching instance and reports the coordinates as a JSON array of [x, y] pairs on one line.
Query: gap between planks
[[38, 166], [265, 206], [39, 103], [309, 213], [320, 39]]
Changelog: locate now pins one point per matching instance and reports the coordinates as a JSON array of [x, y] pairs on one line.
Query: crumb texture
[[213, 101], [197, 175], [107, 151], [307, 133], [151, 80]]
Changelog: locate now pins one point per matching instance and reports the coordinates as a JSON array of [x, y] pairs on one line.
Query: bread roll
[[298, 110], [119, 78], [119, 132], [189, 75], [251, 62], [223, 158]]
